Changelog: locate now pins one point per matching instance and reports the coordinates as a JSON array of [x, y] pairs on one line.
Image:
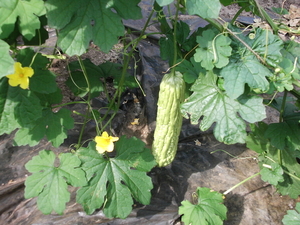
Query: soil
[[201, 160]]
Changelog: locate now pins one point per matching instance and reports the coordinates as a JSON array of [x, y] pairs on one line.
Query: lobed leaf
[[208, 210], [246, 71], [92, 20], [26, 12], [213, 51], [289, 183], [272, 175], [245, 67], [215, 106], [49, 182], [52, 125], [116, 180]]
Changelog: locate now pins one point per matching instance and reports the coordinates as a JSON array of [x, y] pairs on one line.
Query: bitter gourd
[[169, 118]]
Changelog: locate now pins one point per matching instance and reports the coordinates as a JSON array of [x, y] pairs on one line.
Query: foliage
[[27, 13], [50, 182], [115, 180], [207, 210], [94, 20], [293, 216], [233, 76], [208, 100]]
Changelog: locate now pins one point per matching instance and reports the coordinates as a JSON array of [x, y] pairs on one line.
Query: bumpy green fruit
[[169, 118]]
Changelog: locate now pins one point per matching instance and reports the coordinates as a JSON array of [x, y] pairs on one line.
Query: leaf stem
[[235, 186]]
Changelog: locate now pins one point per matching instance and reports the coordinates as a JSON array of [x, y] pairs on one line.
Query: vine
[[233, 76]]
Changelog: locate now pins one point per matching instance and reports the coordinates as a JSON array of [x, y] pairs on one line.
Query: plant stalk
[[235, 186]]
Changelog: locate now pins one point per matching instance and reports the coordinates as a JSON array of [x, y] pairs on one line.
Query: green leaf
[[27, 13], [53, 125], [47, 100], [166, 46], [7, 63], [247, 70], [190, 70], [18, 107], [256, 139], [43, 80], [226, 2], [114, 181], [208, 101], [291, 51], [290, 68], [288, 162], [164, 2], [93, 20], [50, 182], [293, 216], [8, 4], [284, 134], [291, 184], [267, 45], [208, 210], [114, 70], [213, 50], [272, 175], [77, 82], [203, 8]]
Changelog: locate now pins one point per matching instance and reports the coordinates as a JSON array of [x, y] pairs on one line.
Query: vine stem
[[127, 57], [88, 103], [174, 35], [235, 186]]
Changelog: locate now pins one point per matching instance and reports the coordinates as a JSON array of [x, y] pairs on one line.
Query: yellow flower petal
[[105, 143], [20, 77]]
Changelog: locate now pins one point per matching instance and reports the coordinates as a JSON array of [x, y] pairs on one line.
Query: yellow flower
[[21, 76], [105, 143]]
